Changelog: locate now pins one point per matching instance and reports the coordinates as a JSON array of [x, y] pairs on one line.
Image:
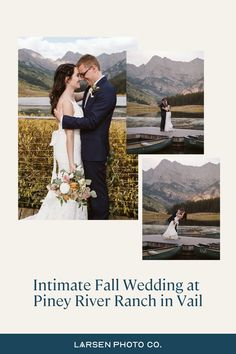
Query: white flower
[[80, 169], [71, 175], [93, 194], [95, 88], [82, 182], [88, 182], [60, 176], [64, 188], [92, 89]]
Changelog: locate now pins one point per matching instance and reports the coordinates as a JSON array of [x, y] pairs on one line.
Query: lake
[[178, 123], [174, 114], [44, 101], [40, 106], [195, 230]]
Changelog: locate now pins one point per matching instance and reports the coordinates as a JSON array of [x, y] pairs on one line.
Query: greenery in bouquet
[[72, 186]]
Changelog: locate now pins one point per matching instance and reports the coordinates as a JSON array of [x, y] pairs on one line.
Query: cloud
[[56, 47]]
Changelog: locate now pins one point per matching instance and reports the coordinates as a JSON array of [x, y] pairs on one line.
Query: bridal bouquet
[[72, 186]]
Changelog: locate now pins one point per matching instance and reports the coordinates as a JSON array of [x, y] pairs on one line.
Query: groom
[[181, 213], [163, 114], [99, 102]]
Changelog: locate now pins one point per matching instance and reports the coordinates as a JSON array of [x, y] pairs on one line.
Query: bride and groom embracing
[[82, 139], [171, 232], [166, 124]]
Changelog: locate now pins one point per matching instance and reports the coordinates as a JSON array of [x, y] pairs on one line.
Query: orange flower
[[66, 197], [74, 186]]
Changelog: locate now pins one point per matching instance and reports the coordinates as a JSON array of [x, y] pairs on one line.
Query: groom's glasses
[[82, 75]]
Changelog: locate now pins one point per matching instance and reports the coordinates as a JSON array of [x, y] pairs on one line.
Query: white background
[[86, 250]]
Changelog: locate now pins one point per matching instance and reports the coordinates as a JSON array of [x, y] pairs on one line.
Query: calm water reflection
[[39, 106], [178, 123], [45, 111], [173, 114], [44, 101], [200, 231]]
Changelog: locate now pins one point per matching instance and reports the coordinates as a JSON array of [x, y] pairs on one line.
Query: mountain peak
[[69, 52], [166, 77], [70, 57], [166, 162], [196, 60], [173, 182], [154, 59], [113, 66], [28, 53], [31, 58]]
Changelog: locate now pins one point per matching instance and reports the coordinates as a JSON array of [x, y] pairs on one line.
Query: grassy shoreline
[[136, 108], [150, 216]]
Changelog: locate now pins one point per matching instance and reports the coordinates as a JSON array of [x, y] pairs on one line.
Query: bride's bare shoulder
[[66, 105]]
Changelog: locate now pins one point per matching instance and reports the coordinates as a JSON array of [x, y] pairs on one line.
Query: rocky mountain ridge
[[172, 182], [162, 77], [36, 71]]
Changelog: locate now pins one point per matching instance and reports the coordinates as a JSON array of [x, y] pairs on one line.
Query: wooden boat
[[155, 250], [210, 251], [196, 142], [146, 144]]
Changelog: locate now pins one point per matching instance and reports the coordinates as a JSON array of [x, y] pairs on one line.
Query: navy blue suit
[[94, 128], [163, 117]]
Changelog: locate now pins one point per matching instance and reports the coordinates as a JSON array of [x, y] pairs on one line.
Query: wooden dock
[[182, 240], [156, 131], [25, 212]]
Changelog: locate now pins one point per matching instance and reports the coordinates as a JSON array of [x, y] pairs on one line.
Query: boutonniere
[[93, 89]]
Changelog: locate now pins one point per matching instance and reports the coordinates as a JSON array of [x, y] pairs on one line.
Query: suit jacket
[[163, 111], [96, 122], [174, 215]]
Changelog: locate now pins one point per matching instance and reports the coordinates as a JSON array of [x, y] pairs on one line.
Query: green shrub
[[36, 162]]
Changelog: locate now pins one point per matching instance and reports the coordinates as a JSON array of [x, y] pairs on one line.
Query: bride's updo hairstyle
[[63, 71]]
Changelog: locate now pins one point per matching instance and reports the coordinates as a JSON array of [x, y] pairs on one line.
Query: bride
[[66, 144], [171, 231], [168, 124]]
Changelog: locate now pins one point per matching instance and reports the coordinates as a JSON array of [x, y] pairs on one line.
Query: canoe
[[207, 251], [148, 146], [196, 142], [166, 251]]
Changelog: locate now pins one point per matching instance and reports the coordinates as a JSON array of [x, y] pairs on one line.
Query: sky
[[56, 47], [138, 56], [152, 161]]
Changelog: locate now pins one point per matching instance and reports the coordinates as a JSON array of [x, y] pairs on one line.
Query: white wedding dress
[[51, 208], [171, 233], [168, 124]]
